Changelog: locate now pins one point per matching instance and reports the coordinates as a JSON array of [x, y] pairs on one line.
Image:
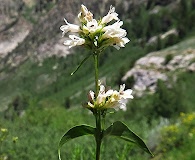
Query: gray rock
[[180, 61], [149, 69], [191, 68], [150, 61], [144, 79]]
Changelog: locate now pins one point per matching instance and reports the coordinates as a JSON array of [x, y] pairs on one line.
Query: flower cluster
[[109, 98], [96, 35]]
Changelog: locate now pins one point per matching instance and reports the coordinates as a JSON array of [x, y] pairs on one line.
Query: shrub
[[168, 58], [175, 135], [167, 101], [16, 107]]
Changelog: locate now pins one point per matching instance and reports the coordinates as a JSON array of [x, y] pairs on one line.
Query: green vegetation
[[168, 58], [46, 118], [39, 129]]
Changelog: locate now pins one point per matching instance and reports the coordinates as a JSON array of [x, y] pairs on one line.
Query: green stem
[[98, 135], [96, 61]]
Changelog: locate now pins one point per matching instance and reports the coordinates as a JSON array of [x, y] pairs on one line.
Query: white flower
[[114, 30], [125, 93], [101, 96], [75, 41], [84, 10], [122, 105], [97, 34], [110, 98], [114, 33], [120, 42], [91, 96], [115, 25], [69, 28], [91, 27], [110, 16], [85, 15]]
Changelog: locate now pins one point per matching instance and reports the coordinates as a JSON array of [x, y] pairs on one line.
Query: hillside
[[27, 51], [164, 65], [40, 100]]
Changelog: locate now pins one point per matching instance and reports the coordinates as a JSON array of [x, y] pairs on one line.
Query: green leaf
[[83, 61], [121, 131], [75, 132]]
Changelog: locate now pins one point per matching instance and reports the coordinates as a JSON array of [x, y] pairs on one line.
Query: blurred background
[[40, 101]]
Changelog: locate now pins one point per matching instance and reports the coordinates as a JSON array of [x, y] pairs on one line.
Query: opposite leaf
[[120, 130], [75, 132]]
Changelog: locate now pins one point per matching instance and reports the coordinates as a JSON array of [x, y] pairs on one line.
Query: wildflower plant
[[97, 35]]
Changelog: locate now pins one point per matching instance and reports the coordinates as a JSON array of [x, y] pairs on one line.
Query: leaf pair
[[117, 129]]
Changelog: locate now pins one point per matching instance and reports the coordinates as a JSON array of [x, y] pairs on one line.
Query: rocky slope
[[43, 39], [164, 65]]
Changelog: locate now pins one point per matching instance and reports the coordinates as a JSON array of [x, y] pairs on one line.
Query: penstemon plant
[[97, 36]]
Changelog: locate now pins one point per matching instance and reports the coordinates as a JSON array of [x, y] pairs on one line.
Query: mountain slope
[[165, 65]]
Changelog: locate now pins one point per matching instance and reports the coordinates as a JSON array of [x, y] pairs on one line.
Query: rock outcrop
[[156, 65]]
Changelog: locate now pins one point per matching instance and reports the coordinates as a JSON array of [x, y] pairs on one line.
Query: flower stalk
[[98, 134], [96, 63]]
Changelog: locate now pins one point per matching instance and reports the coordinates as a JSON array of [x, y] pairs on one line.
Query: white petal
[[125, 40], [64, 29], [92, 95], [114, 31], [85, 15], [77, 40], [72, 27], [127, 94], [92, 26], [67, 42], [74, 41], [114, 26], [69, 28], [101, 98], [122, 88], [84, 9], [102, 89], [109, 93], [123, 106], [112, 15]]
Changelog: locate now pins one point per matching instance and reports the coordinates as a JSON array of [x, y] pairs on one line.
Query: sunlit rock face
[[149, 69]]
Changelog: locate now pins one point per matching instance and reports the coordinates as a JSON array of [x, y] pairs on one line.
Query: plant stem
[[96, 61], [98, 135]]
